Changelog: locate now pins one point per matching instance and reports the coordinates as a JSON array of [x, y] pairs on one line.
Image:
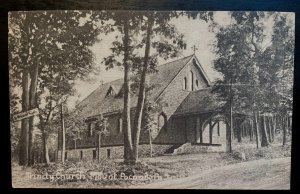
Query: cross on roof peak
[[194, 49]]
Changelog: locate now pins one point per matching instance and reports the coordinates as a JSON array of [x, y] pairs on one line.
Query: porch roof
[[200, 101]]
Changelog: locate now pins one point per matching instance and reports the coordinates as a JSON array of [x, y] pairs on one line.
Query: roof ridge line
[[122, 78], [175, 60], [158, 66]]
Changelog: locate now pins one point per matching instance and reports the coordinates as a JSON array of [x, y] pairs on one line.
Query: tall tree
[[62, 37], [156, 25], [245, 56], [152, 30], [282, 57], [125, 23], [137, 28]]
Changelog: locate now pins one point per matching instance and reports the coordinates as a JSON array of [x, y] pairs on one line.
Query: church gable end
[[190, 78]]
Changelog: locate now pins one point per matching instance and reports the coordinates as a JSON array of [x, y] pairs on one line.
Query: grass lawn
[[167, 167]]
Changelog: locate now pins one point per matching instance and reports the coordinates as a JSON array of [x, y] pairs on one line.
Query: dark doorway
[[108, 153], [94, 154]]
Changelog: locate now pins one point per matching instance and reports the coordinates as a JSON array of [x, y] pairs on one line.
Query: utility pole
[[63, 150], [229, 132], [150, 141], [99, 145]]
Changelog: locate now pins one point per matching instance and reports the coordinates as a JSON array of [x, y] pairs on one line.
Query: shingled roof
[[200, 101], [99, 103]]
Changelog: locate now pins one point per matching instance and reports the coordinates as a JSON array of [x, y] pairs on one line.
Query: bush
[[252, 153]]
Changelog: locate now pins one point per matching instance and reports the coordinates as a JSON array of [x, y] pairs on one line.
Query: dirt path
[[21, 179], [258, 174]]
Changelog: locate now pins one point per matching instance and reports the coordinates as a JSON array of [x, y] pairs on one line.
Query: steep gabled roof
[[98, 103]]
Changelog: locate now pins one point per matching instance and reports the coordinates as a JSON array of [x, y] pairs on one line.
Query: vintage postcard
[[151, 99]]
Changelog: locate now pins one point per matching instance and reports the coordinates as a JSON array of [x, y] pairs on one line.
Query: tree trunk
[[256, 129], [99, 146], [142, 93], [32, 97], [126, 111], [218, 129], [63, 135], [239, 134], [229, 129], [150, 143], [23, 152], [57, 145], [289, 118], [250, 131], [274, 126], [269, 127], [45, 148], [264, 139], [284, 123]]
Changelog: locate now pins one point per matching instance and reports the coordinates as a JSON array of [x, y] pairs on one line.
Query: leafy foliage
[[252, 64]]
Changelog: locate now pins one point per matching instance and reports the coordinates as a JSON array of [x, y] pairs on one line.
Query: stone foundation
[[113, 152]]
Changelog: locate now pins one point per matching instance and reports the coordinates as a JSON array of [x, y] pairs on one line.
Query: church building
[[189, 117]]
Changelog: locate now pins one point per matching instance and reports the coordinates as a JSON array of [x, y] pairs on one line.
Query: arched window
[[184, 83], [192, 80], [197, 83], [162, 121]]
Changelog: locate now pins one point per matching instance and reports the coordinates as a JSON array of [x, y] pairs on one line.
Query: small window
[[111, 91], [66, 155], [197, 84], [81, 155], [184, 83], [91, 127], [94, 154], [192, 81], [108, 153], [120, 124]]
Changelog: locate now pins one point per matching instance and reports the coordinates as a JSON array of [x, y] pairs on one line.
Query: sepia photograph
[[151, 99]]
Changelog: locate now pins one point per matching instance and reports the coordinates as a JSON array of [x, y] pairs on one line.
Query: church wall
[[176, 131], [172, 97]]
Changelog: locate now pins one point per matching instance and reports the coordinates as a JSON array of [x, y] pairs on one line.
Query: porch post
[[186, 132], [200, 132], [198, 128], [210, 131]]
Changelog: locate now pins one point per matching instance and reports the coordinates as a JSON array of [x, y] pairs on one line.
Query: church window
[[184, 83], [192, 81], [90, 129]]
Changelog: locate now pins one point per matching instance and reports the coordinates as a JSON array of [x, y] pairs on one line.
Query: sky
[[196, 32]]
